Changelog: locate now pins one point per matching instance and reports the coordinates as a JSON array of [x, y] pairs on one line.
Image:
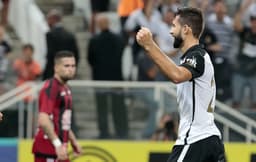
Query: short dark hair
[[55, 13], [28, 46], [61, 54], [217, 1], [193, 17]]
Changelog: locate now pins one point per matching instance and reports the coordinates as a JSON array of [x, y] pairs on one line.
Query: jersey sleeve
[[195, 64], [48, 98]]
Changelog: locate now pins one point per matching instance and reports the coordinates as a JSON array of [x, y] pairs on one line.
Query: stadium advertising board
[[136, 151], [8, 150]]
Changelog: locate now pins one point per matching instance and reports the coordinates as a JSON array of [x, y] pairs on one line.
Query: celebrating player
[[199, 139]]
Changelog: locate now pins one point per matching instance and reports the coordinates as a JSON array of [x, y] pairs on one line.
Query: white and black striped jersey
[[196, 98]]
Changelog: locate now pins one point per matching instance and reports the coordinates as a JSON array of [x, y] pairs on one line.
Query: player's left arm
[[76, 147]]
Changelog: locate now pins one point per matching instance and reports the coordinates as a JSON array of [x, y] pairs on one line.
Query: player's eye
[[69, 66]]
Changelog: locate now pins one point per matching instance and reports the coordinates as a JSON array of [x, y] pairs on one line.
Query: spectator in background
[[5, 49], [124, 9], [4, 12], [246, 14], [104, 55], [26, 68], [97, 6], [204, 5], [246, 61], [209, 41], [164, 5], [58, 39], [149, 17], [167, 129], [208, 38], [147, 71], [164, 40], [222, 26]]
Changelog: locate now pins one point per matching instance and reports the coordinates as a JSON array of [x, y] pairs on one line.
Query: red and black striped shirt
[[54, 99]]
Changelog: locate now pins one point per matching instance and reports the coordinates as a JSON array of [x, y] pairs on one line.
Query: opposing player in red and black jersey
[[55, 107]]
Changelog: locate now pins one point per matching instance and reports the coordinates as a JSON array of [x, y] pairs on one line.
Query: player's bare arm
[[46, 124], [175, 73], [76, 147]]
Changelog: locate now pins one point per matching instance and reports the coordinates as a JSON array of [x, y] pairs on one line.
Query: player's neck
[[188, 43], [59, 79]]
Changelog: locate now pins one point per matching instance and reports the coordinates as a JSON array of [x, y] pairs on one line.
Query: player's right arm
[[176, 74], [45, 123], [47, 99]]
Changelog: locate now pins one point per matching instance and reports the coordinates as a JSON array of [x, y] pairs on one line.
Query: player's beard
[[178, 41], [66, 78]]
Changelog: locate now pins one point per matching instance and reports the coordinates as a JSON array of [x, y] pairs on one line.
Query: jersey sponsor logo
[[66, 120], [51, 116], [63, 93], [190, 61]]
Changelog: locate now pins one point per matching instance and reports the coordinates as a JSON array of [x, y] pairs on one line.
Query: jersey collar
[[190, 50]]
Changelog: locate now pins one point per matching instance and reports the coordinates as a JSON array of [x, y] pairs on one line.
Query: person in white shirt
[[245, 74], [199, 139], [147, 16]]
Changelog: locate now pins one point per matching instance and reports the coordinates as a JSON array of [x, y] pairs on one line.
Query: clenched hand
[[144, 38]]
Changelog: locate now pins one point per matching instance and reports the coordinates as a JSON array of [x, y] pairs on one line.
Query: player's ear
[[56, 67], [186, 29]]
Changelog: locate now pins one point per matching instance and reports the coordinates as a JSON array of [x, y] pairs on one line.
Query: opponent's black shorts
[[210, 149]]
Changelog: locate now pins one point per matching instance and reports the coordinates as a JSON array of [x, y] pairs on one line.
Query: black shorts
[[210, 149]]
